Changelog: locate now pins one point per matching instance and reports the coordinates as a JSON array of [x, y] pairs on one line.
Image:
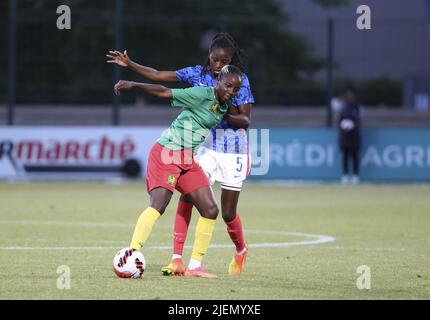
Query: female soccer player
[[171, 164], [224, 154]]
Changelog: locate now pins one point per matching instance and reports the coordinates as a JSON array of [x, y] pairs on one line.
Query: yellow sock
[[143, 227], [203, 237]]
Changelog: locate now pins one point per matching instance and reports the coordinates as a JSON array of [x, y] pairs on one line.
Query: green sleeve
[[189, 97]]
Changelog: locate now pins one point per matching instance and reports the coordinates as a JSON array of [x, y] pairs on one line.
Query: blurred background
[[300, 55]]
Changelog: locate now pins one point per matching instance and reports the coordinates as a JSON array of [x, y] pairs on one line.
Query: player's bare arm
[[154, 89], [240, 116], [123, 60]]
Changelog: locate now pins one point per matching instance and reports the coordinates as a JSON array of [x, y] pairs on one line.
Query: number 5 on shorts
[[239, 163]]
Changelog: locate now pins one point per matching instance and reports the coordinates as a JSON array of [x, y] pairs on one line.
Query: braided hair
[[230, 69], [223, 40]]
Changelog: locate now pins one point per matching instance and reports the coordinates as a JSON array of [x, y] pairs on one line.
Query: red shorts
[[172, 170]]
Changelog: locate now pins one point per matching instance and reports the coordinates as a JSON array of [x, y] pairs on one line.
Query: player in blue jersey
[[223, 156]]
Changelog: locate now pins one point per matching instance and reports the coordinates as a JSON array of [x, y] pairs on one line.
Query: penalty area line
[[318, 239]]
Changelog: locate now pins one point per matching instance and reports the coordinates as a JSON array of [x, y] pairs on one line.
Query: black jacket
[[349, 127]]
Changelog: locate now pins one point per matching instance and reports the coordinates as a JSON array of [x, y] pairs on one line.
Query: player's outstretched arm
[[154, 89], [239, 116], [123, 60]]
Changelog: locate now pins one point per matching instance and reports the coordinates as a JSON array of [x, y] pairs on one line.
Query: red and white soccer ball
[[129, 263]]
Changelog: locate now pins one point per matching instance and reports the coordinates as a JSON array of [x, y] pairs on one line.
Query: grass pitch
[[306, 242]]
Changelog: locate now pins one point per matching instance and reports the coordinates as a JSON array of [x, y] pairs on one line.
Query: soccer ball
[[346, 125], [129, 263]]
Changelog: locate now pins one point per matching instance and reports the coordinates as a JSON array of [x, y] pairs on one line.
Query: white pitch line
[[319, 240], [66, 223], [39, 240], [370, 249], [16, 248], [316, 238]]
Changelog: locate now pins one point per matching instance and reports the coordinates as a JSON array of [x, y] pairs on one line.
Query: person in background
[[349, 128]]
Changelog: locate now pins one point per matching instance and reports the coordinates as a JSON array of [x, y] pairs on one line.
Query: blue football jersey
[[225, 137]]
